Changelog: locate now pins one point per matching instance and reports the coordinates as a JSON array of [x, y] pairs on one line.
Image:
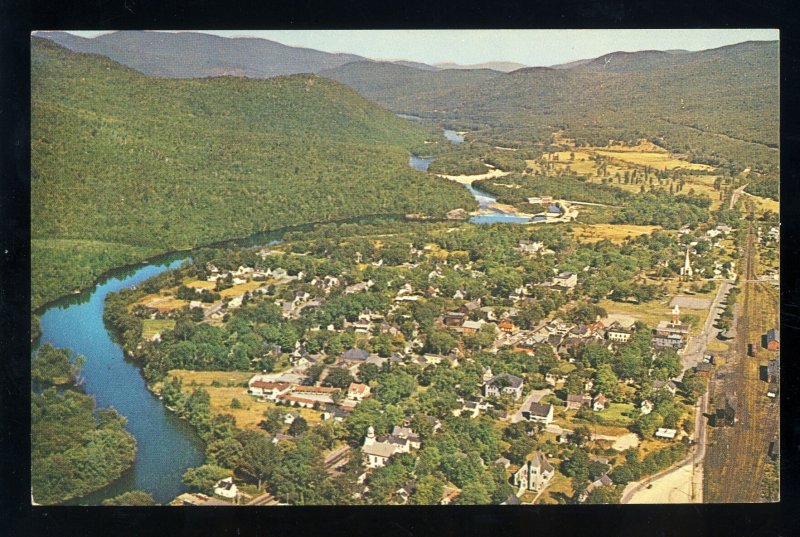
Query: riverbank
[[166, 446], [469, 179], [254, 239]]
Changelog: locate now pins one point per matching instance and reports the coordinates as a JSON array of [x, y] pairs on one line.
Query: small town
[[416, 343], [267, 274]]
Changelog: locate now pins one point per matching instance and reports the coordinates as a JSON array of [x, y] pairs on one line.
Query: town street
[[678, 484], [696, 347]]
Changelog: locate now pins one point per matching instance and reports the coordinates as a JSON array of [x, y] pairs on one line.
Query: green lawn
[[613, 414], [151, 327]]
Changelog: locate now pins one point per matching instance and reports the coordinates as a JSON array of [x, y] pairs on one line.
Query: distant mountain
[[416, 65], [198, 55], [720, 106], [643, 60], [389, 84], [503, 67]]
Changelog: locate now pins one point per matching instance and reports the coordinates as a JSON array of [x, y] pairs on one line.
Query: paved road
[[695, 458], [696, 347]]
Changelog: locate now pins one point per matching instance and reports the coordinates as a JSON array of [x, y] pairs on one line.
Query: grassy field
[[200, 284], [240, 289], [231, 385], [658, 310], [152, 327], [621, 159], [656, 160], [765, 204], [613, 414], [616, 233], [560, 484]]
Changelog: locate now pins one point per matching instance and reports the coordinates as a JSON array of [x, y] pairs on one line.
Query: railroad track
[[737, 455]]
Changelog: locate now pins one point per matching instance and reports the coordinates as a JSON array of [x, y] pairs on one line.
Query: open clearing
[[655, 160], [231, 385], [240, 289], [764, 204], [674, 487], [151, 327], [616, 233]]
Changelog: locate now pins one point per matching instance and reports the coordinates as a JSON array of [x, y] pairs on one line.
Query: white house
[[668, 434], [535, 474], [226, 488], [502, 383], [566, 279], [599, 402], [267, 388], [358, 391]]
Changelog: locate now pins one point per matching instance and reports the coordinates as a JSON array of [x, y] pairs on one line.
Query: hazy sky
[[530, 47]]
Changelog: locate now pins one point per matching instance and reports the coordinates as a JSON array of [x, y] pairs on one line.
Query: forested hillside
[[125, 166], [719, 106]]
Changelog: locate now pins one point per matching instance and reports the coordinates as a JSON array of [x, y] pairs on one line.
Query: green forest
[[719, 106], [125, 166], [76, 448]]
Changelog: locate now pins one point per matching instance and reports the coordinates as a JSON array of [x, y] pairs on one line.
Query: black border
[[17, 19]]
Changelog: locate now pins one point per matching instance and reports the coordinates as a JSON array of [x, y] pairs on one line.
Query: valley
[[408, 284]]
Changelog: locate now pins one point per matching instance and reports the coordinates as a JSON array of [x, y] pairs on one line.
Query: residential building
[[502, 383], [226, 488], [268, 390], [355, 355], [599, 402], [530, 247], [670, 335], [618, 333], [471, 327], [667, 434], [576, 402], [539, 413], [566, 279], [358, 391], [670, 386], [453, 318], [506, 326]]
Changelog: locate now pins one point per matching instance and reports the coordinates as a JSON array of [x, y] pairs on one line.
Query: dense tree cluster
[[76, 448]]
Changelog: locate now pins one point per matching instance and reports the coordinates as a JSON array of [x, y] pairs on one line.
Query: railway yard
[[738, 456]]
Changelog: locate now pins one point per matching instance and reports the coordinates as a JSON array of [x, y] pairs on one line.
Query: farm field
[[661, 160], [616, 233]]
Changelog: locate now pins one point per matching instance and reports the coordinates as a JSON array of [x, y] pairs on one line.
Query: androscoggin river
[[166, 445], [484, 198]]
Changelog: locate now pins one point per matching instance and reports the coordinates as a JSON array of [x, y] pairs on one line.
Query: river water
[[166, 445], [484, 199]]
